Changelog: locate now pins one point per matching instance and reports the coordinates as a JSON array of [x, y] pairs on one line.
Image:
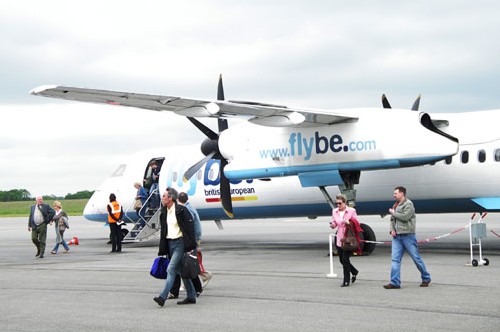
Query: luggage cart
[[477, 231]]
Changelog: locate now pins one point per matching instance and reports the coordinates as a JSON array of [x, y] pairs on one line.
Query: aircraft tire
[[368, 235]]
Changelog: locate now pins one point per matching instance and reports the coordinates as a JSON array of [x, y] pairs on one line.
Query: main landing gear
[[350, 179]]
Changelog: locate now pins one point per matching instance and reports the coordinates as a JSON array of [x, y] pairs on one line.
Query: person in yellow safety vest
[[115, 214]]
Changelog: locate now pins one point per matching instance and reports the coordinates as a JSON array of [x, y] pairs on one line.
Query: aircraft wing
[[258, 113]]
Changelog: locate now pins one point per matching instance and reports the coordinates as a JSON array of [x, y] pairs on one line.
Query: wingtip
[[39, 89]]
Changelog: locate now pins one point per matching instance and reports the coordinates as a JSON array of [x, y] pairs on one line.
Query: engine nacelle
[[381, 139]]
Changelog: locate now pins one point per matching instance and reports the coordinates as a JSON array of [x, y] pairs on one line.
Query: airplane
[[273, 164]]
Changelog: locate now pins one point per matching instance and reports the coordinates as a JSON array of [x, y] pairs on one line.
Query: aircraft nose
[[95, 209]]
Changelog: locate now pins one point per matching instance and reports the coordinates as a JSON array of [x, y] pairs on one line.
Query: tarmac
[[269, 275]]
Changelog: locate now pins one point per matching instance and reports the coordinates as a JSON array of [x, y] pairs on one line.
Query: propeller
[[385, 102], [416, 103], [210, 148]]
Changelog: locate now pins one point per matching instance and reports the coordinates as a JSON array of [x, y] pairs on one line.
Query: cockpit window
[[119, 171]]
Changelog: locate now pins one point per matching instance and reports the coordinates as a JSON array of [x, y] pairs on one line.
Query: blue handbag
[[159, 268]]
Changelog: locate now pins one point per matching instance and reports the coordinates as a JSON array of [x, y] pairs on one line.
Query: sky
[[314, 54]]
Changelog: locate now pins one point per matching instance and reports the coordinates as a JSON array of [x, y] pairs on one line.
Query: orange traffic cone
[[74, 241]]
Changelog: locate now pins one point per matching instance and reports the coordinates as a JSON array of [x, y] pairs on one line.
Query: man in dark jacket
[[40, 215], [176, 238]]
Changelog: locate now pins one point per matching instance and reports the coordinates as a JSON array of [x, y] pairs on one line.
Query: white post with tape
[[331, 274]]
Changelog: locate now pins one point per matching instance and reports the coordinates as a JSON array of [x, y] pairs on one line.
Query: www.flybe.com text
[[306, 146]]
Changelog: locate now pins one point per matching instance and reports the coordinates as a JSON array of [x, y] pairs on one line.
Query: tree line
[[24, 195]]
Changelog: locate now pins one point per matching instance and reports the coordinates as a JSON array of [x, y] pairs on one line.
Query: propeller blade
[[220, 89], [220, 96], [416, 104], [204, 129], [385, 102], [196, 167], [225, 191]]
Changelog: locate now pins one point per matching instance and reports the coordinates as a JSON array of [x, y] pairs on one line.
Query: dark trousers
[[116, 237], [177, 284], [39, 236], [344, 257]]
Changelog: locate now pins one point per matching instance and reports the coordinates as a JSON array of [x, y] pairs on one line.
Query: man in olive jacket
[[176, 238], [403, 222], [40, 215]]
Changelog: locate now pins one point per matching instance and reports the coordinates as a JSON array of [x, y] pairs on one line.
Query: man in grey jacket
[[403, 222]]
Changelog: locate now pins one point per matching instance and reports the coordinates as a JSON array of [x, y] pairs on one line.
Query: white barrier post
[[331, 274]]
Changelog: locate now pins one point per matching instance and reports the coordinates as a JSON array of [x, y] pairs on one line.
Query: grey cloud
[[322, 55]]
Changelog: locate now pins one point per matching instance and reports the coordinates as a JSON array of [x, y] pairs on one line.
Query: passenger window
[[199, 175], [465, 157], [448, 160], [497, 155], [174, 176], [481, 156]]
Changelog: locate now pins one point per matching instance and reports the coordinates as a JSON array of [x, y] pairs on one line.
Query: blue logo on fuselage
[[211, 177]]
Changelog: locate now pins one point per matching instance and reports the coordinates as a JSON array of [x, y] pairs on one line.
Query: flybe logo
[[245, 191], [317, 144], [211, 176]]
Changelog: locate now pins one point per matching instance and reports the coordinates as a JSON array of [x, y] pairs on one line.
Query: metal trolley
[[477, 231]]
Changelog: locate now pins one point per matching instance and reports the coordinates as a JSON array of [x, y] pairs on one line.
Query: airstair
[[145, 228]]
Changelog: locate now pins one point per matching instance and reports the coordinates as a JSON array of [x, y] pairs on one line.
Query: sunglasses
[[339, 203]]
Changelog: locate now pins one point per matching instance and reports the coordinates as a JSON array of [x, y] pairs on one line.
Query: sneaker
[[205, 278], [53, 252], [172, 296], [425, 283]]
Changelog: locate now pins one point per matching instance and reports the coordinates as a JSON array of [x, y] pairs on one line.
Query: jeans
[[60, 240], [155, 198], [408, 243], [141, 214], [176, 248]]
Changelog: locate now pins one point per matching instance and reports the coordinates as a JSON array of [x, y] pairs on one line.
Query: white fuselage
[[458, 186]]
